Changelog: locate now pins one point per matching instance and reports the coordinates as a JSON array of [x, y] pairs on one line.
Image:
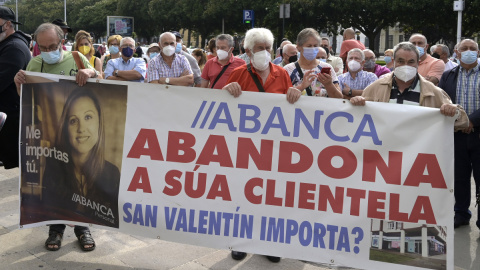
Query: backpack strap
[[220, 75], [300, 73], [255, 78]]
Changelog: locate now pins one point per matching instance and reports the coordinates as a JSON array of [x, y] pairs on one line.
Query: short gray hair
[[257, 35], [445, 49], [305, 34], [356, 50], [406, 46], [432, 49], [226, 37], [368, 50], [127, 39], [44, 27]]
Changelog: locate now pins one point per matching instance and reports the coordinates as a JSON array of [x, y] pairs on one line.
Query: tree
[[93, 19]]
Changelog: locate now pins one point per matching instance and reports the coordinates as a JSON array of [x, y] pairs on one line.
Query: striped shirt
[[468, 86], [409, 96], [158, 68], [361, 81]]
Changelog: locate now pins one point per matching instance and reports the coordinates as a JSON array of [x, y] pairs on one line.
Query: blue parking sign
[[247, 15]]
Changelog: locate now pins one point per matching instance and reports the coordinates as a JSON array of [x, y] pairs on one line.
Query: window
[[390, 42], [400, 38], [367, 42]]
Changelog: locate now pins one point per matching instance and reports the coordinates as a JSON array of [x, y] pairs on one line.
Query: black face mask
[[281, 52], [326, 50], [436, 55], [293, 59]]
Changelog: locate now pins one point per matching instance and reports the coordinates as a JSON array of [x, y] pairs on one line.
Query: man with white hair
[[260, 75], [289, 55], [356, 79], [279, 59], [169, 67], [429, 67], [126, 68], [442, 52]]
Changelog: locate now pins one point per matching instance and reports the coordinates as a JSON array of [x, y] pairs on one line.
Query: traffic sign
[[248, 16]]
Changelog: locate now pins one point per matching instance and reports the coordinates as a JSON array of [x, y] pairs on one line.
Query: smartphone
[[325, 70]]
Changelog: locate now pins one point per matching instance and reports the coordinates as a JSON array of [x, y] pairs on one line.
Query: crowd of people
[[305, 67]]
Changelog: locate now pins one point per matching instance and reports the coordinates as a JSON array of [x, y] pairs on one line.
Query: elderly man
[[181, 49], [349, 43], [373, 67], [462, 84], [260, 75], [355, 80], [290, 55], [279, 59], [127, 67], [429, 67], [54, 60], [217, 70], [65, 28], [14, 55], [406, 86], [442, 52], [169, 67], [334, 61]]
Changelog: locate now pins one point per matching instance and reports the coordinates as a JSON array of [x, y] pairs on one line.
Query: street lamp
[[358, 34]]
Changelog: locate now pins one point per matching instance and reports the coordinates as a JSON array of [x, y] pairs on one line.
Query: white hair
[[257, 35], [127, 39], [356, 50]]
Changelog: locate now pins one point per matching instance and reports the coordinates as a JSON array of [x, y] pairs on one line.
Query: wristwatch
[[116, 73], [167, 80], [350, 92]]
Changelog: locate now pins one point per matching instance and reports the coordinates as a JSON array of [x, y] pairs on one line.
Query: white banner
[[319, 180]]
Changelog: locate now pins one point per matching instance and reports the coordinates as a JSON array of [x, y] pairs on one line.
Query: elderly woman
[[82, 174], [388, 57], [83, 44], [259, 74], [113, 43], [306, 74]]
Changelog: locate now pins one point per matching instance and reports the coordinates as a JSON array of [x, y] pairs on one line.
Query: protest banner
[[319, 180]]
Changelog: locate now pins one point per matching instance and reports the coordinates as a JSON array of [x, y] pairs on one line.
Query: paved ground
[[23, 249]]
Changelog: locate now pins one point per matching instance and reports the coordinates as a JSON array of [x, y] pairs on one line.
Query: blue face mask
[[310, 53], [113, 49], [127, 51], [51, 57], [469, 57], [323, 60], [153, 54], [421, 50], [387, 59], [178, 49]]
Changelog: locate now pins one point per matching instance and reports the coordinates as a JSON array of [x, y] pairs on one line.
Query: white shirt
[[450, 64]]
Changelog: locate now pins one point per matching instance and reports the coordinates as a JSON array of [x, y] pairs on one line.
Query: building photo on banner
[[319, 180]]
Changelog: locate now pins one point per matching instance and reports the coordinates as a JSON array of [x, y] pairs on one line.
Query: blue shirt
[[361, 81], [468, 89], [137, 64]]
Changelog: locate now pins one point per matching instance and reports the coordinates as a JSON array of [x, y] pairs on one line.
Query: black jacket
[[14, 55], [448, 83]]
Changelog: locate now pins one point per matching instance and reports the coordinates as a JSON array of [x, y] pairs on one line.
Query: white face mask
[[222, 55], [261, 60], [405, 73], [169, 50], [354, 65]]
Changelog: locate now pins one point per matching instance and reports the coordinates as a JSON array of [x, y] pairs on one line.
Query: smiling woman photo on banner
[[82, 184]]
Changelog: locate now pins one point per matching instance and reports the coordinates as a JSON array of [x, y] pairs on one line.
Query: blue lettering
[[300, 116], [276, 230], [262, 228], [151, 216], [332, 230], [328, 126], [214, 223], [305, 233], [320, 233], [276, 113], [202, 221], [246, 226], [170, 219], [126, 211], [343, 241], [292, 230], [191, 220], [227, 217], [138, 215], [223, 107], [182, 220], [253, 118], [367, 119]]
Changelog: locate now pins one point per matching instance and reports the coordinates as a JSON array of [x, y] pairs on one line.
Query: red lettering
[[290, 194], [422, 203], [249, 186], [374, 205], [434, 176], [140, 180], [219, 188], [395, 213], [325, 162], [172, 178], [356, 195], [246, 149], [201, 185], [270, 198], [285, 157], [305, 197], [391, 173], [146, 136], [336, 202], [180, 142], [218, 143]]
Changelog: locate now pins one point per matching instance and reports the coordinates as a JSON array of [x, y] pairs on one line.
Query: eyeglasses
[[49, 49]]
